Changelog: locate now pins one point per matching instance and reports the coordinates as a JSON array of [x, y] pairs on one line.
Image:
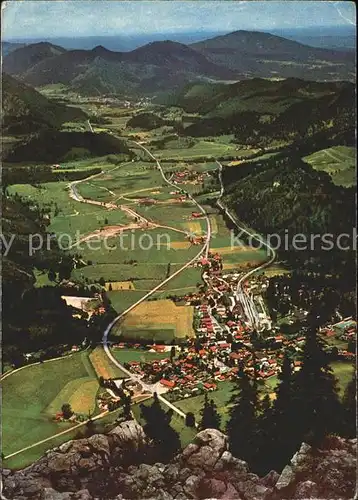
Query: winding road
[[204, 251], [241, 295]]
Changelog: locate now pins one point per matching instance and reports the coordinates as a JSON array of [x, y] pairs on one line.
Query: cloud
[[32, 18], [346, 11]]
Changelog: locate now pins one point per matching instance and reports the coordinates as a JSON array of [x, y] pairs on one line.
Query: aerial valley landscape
[[178, 250]]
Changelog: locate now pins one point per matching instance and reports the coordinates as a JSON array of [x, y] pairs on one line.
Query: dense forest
[[55, 146], [38, 319], [25, 110], [38, 174], [260, 112], [147, 121], [311, 218]]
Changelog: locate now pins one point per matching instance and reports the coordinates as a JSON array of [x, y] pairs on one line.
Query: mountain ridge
[[167, 64]]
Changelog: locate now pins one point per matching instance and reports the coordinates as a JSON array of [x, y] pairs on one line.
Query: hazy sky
[[38, 18]]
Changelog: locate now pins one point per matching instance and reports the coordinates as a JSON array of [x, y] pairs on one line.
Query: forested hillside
[[259, 112], [307, 214], [27, 111], [55, 146]]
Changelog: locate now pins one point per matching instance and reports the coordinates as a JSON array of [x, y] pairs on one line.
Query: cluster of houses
[[225, 342], [200, 366], [189, 177]]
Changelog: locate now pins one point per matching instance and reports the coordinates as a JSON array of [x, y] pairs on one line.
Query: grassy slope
[[29, 399], [339, 162]]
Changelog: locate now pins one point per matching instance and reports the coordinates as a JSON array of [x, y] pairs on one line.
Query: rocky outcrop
[[97, 467]]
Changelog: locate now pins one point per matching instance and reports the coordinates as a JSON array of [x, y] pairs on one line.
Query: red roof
[[167, 383], [159, 348], [209, 386], [212, 348]]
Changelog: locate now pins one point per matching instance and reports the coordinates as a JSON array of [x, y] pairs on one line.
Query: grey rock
[[270, 479], [207, 449], [305, 490], [171, 473], [191, 485], [184, 473], [211, 488], [99, 444], [253, 490], [82, 495], [129, 432], [51, 494], [286, 478], [230, 493], [163, 495]]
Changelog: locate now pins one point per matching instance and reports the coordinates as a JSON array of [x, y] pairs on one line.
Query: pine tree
[[210, 418], [349, 427], [51, 275], [127, 413], [67, 411], [165, 438], [317, 410], [263, 459], [282, 433], [190, 419], [242, 426]]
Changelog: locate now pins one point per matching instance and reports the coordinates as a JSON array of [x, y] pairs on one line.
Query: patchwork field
[[123, 299], [122, 180], [31, 455], [177, 151], [126, 355], [339, 162], [235, 253], [103, 365], [158, 320], [68, 217], [119, 285], [33, 395]]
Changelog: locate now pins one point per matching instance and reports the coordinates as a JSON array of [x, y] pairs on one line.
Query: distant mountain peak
[[100, 49]]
